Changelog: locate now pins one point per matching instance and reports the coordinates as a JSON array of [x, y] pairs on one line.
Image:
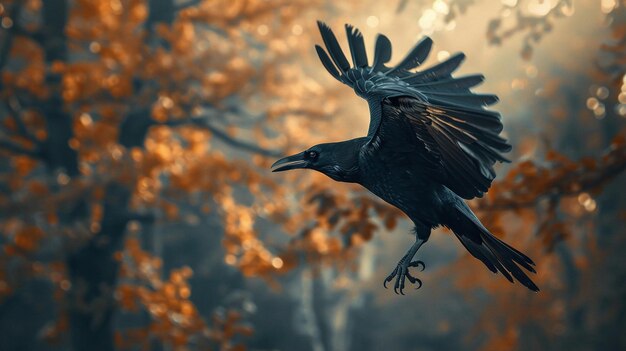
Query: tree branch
[[187, 4], [240, 144], [21, 127], [575, 183], [36, 35], [141, 217], [18, 149]]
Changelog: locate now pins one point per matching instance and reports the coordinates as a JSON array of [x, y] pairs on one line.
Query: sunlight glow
[[441, 7], [540, 8], [592, 103], [277, 262], [372, 21], [442, 55], [607, 5]]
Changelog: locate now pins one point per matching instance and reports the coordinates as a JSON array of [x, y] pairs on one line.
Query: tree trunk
[[93, 269]]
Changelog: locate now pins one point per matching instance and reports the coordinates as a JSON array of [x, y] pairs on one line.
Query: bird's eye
[[312, 155]]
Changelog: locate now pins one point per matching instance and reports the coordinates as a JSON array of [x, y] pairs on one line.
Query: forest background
[[137, 210]]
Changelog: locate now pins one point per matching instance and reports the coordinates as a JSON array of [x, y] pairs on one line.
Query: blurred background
[[137, 210]]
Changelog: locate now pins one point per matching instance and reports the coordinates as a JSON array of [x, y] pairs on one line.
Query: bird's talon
[[411, 278], [390, 277], [418, 264], [387, 280], [400, 273]]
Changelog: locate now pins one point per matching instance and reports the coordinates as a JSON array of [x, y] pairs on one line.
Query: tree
[[120, 120], [111, 112]]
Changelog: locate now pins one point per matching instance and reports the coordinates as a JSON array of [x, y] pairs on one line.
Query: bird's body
[[408, 189], [393, 171], [424, 202], [430, 144]]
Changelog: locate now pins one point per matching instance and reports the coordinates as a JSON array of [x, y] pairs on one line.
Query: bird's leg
[[401, 272]]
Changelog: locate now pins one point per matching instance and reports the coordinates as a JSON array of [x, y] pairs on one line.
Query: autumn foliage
[[123, 121]]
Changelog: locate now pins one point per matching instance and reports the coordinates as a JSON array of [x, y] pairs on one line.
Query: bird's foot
[[401, 272]]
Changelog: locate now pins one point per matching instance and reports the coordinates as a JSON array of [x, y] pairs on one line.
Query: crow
[[430, 144]]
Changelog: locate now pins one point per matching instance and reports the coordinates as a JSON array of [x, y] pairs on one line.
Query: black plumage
[[430, 144]]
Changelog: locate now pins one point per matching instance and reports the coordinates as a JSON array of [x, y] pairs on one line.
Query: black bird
[[430, 144]]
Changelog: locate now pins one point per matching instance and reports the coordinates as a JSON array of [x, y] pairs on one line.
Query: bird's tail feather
[[497, 255]]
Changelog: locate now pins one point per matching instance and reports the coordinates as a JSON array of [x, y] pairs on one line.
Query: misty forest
[[138, 209]]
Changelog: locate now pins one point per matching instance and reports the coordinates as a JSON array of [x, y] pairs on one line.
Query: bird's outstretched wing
[[449, 126], [459, 147]]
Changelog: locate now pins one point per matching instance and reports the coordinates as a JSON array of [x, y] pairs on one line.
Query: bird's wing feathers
[[378, 80], [357, 46], [449, 128], [439, 71], [462, 152], [330, 41], [328, 64], [382, 53], [415, 57]]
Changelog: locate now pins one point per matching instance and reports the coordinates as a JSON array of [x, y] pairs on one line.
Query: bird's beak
[[290, 162]]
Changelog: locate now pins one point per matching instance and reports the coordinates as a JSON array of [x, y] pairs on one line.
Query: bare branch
[[240, 144], [141, 217], [14, 106], [187, 4], [18, 149]]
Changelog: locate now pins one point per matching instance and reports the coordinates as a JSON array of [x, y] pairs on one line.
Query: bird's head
[[339, 161]]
